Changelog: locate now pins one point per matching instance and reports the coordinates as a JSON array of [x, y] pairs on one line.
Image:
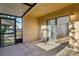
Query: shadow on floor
[[57, 49], [29, 50]]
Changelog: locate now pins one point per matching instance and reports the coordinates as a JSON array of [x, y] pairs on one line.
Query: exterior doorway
[[58, 29], [10, 30]]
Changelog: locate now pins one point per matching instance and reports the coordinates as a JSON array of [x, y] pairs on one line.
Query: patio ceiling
[[42, 9], [16, 9]]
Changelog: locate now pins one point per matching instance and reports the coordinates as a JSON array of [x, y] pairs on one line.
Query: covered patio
[[39, 29]]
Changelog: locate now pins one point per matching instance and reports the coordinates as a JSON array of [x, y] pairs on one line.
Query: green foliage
[[3, 30]]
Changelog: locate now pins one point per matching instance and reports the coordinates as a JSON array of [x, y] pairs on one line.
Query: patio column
[[74, 36]]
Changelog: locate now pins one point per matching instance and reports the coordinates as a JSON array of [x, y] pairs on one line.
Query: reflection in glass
[[58, 28], [10, 30], [7, 39], [7, 22], [7, 32], [51, 30], [62, 27]]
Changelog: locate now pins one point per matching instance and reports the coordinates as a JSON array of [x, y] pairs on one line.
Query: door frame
[[8, 33], [56, 21], [15, 40]]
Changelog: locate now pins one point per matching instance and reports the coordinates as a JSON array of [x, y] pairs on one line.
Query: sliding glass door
[[10, 30], [58, 28]]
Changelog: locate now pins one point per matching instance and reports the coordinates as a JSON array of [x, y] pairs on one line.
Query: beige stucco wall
[[30, 29]]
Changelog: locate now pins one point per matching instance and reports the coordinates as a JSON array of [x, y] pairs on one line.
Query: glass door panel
[[18, 30], [62, 27], [52, 30], [7, 32]]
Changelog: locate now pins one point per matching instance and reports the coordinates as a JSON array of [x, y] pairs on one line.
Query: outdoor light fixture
[[72, 15]]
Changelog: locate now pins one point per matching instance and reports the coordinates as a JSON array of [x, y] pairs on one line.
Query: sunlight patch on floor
[[47, 46]]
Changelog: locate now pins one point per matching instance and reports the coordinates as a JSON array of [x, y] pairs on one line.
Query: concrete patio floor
[[29, 49]]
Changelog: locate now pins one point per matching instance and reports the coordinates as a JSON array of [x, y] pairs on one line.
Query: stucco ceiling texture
[[42, 9]]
